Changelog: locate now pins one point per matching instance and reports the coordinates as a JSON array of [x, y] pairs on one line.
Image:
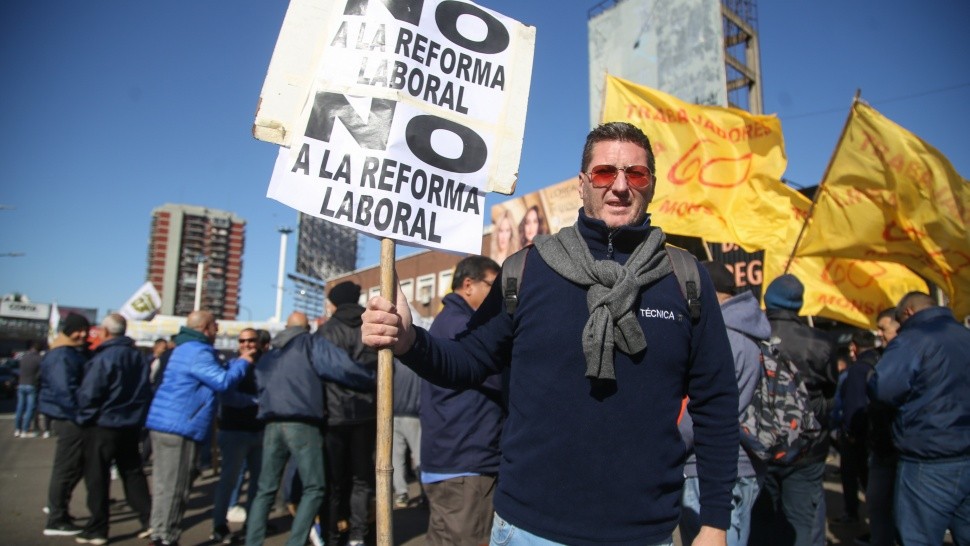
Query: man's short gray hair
[[115, 325]]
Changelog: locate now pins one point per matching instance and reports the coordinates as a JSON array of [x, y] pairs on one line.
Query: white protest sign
[[416, 109]]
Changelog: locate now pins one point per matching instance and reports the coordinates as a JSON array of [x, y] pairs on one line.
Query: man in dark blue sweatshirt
[[240, 441], [600, 352], [461, 428]]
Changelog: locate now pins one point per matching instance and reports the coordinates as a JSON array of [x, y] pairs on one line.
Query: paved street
[[25, 466]]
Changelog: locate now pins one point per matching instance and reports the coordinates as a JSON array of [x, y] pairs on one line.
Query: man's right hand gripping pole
[[387, 325]]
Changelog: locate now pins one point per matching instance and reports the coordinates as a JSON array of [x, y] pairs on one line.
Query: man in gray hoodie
[[747, 326]]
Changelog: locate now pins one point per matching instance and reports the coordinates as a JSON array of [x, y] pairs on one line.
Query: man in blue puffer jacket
[[181, 416]]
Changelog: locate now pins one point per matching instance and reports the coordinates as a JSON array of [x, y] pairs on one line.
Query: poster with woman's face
[[533, 223], [504, 240], [517, 222]]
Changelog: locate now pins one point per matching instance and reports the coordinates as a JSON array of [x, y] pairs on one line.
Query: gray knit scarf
[[613, 289]]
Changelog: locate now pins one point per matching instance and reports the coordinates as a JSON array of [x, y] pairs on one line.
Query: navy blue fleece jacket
[[61, 371], [460, 428], [115, 392], [599, 462], [925, 376]]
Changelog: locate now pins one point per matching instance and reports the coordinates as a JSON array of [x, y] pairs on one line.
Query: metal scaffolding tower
[[673, 64], [324, 250], [742, 56]]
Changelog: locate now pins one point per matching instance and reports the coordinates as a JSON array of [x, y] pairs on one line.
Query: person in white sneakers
[[61, 370]]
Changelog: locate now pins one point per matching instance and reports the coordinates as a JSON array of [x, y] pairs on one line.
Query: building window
[[444, 282], [425, 289], [407, 286]]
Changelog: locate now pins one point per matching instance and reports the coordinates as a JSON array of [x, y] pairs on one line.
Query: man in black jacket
[[240, 441], [61, 371], [883, 457], [797, 504], [854, 427], [351, 422]]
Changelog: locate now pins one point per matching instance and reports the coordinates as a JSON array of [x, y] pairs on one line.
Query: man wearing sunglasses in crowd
[[600, 351], [240, 441]]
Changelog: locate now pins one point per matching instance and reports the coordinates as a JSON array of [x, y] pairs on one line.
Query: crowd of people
[[592, 397], [282, 407]]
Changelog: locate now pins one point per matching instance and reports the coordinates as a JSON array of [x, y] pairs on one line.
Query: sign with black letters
[[415, 110]]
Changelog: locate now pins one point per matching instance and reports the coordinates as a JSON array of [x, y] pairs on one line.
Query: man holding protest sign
[[595, 457], [395, 118]]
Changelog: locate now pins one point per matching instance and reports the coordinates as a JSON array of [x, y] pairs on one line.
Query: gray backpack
[[779, 425]]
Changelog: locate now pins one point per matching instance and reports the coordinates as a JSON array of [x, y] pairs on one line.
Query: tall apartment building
[[181, 237]]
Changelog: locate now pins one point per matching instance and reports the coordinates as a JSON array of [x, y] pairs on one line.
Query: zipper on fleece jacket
[[609, 244]]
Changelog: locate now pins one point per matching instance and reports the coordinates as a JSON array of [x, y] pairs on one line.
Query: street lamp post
[[199, 272], [284, 232]]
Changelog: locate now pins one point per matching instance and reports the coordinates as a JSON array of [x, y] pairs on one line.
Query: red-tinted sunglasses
[[637, 176]]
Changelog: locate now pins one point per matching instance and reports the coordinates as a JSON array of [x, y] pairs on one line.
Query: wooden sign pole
[[385, 409]]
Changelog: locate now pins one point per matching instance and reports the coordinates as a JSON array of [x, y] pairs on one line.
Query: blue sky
[[112, 108]]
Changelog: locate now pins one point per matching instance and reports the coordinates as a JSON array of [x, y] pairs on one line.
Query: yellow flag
[[889, 196], [850, 291], [716, 167]]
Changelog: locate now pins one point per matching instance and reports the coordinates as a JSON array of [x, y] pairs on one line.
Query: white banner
[[143, 304], [416, 110]]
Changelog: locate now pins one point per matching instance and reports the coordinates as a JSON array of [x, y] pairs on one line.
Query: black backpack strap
[[685, 269], [512, 269]]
